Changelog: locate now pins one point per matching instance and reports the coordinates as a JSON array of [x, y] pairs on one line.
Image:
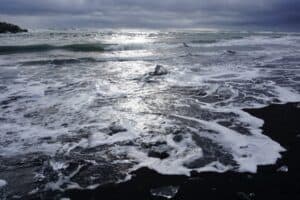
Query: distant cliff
[[10, 28]]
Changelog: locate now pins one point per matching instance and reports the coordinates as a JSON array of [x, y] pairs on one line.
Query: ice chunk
[[159, 70], [2, 183], [283, 168], [167, 191]]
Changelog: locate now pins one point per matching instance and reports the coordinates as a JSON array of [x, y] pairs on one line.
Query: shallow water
[[79, 109]]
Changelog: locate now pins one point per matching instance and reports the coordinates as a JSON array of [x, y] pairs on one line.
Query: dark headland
[[280, 181], [10, 28]]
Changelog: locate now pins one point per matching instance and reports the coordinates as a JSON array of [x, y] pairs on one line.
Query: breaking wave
[[47, 47]]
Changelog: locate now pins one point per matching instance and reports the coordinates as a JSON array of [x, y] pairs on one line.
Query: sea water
[[81, 108]]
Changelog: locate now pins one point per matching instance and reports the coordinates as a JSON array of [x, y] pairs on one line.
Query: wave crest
[[88, 47]]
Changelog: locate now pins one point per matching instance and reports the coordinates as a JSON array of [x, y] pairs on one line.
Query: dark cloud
[[263, 14]]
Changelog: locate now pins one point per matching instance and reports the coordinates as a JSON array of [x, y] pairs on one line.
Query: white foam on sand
[[248, 151], [286, 94], [259, 149], [181, 153]]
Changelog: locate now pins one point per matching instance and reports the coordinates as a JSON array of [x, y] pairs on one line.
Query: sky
[[282, 15]]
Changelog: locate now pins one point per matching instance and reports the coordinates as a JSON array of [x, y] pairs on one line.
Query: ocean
[[84, 108]]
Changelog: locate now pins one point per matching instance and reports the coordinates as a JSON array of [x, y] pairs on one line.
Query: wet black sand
[[282, 124]]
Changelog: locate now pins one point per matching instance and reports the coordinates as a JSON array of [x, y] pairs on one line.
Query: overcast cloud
[[245, 14]]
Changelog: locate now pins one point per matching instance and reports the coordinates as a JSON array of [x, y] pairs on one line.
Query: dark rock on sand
[[10, 28]]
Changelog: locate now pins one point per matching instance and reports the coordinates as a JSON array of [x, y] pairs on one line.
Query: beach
[[270, 182]]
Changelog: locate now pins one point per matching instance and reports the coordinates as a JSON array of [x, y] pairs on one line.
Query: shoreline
[[278, 181]]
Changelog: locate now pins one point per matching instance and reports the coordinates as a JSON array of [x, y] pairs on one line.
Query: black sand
[[282, 124]]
